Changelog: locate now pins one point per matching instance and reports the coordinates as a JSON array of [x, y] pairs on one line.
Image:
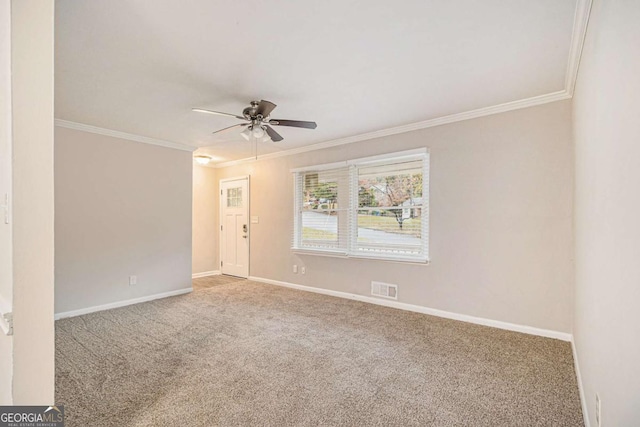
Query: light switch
[[255, 220]]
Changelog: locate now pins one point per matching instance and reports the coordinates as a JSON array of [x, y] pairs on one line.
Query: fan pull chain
[[255, 147]]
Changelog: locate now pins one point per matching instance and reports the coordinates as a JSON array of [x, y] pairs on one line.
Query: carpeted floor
[[211, 281], [241, 353]]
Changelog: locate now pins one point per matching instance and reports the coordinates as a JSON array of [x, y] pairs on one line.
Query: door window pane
[[234, 197]]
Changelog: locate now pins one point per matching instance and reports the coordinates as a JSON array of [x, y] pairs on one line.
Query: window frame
[[351, 168]]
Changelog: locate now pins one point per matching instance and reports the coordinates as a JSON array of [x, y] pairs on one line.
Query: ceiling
[[354, 67]]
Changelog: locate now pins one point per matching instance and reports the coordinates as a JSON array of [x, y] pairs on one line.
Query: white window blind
[[323, 200], [373, 207]]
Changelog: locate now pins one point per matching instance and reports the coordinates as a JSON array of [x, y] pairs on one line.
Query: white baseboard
[[117, 304], [425, 310], [583, 401], [205, 274]]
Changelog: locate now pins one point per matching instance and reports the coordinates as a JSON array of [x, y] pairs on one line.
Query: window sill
[[331, 254]]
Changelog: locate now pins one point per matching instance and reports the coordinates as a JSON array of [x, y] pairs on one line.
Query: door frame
[[220, 209]]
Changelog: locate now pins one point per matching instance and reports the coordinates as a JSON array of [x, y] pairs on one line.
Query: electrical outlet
[[133, 280], [295, 269], [304, 270], [598, 411]]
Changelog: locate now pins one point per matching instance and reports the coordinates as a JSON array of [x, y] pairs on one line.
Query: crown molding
[[122, 135], [458, 117], [580, 24]]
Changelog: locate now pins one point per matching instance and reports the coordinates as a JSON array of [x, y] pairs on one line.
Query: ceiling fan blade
[[217, 113], [231, 127], [265, 108], [275, 136], [293, 123]]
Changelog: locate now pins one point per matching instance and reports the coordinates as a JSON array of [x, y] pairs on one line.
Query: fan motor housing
[[250, 112]]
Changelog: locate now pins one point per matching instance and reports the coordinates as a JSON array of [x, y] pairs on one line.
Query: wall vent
[[384, 290]]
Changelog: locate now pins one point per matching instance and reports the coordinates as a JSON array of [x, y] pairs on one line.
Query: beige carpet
[[244, 353], [211, 281]]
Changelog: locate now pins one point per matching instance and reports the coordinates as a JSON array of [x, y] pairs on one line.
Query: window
[[234, 197], [375, 207]]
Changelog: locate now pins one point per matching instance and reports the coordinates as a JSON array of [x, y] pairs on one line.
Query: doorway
[[234, 226]]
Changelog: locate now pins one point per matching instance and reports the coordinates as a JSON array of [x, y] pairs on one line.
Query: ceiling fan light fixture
[[201, 159], [258, 132], [246, 134]]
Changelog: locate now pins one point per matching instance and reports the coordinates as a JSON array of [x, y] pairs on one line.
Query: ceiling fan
[[258, 121]]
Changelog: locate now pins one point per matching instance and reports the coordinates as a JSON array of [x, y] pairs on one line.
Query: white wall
[[607, 212], [32, 184], [122, 208], [6, 261], [205, 216], [501, 219]]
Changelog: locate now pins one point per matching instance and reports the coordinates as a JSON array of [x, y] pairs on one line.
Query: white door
[[234, 227]]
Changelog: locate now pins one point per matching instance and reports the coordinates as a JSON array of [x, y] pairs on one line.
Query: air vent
[[384, 290]]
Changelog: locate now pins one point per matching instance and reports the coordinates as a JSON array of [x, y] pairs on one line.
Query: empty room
[[418, 213]]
